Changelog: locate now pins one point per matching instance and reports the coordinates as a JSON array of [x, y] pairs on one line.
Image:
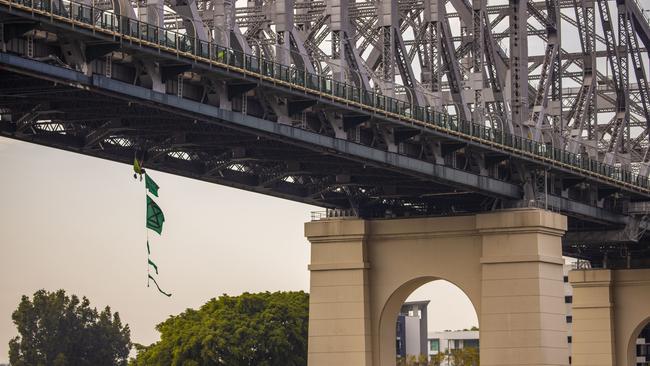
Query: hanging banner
[[155, 216], [158, 287], [152, 264], [151, 186]]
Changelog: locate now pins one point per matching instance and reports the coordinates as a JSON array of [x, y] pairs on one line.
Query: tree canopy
[[467, 356], [262, 329], [58, 330]]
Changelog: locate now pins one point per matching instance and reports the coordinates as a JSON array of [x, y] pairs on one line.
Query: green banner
[[155, 216], [151, 185], [158, 287], [155, 220], [151, 263]]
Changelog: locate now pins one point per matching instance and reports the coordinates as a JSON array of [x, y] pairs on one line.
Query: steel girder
[[345, 38], [110, 119], [464, 66]]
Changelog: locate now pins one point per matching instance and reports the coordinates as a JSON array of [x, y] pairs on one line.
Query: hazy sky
[[77, 223]]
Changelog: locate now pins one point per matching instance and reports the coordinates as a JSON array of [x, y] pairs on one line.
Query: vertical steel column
[[344, 53], [589, 67], [432, 68], [283, 19], [546, 103], [394, 53], [496, 71], [388, 19], [152, 12], [290, 48], [224, 20], [616, 64], [584, 110], [641, 79], [454, 75], [554, 36], [477, 80], [519, 63], [338, 11], [623, 49]]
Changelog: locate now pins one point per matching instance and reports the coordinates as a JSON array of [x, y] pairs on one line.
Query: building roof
[[456, 334], [417, 303]]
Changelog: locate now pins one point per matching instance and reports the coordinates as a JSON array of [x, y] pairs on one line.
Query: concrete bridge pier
[[509, 264], [610, 308]]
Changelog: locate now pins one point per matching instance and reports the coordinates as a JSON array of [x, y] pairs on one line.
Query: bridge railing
[[333, 213], [179, 43]]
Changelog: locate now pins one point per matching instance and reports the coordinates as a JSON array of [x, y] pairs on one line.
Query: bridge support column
[[610, 308], [339, 319], [523, 316], [593, 318], [509, 263]]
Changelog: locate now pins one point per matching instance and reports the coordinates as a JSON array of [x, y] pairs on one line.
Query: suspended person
[[138, 168]]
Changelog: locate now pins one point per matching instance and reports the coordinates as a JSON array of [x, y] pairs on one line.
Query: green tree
[[263, 329], [58, 330], [437, 359], [412, 360], [468, 356]]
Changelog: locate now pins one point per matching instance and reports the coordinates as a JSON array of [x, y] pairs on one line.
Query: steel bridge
[[391, 108]]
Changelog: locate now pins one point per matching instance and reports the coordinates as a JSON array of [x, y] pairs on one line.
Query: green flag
[[151, 263], [158, 287], [151, 185], [155, 216]]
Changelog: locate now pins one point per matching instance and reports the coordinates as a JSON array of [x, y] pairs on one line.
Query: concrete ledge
[[325, 231], [522, 259], [338, 266], [422, 227], [522, 220], [584, 277]]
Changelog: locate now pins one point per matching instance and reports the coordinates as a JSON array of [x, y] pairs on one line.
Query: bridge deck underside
[[105, 126], [380, 167], [245, 159]]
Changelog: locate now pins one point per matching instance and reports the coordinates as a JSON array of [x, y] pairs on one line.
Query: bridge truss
[[565, 79]]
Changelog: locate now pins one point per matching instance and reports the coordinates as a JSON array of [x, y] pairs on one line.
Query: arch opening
[[434, 323], [639, 348]]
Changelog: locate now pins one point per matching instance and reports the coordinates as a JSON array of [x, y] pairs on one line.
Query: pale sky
[[73, 222]]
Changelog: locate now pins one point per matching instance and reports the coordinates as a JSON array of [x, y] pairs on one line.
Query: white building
[[643, 347], [441, 342], [412, 329]]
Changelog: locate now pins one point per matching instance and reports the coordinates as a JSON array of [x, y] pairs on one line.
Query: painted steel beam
[[293, 136], [288, 134]]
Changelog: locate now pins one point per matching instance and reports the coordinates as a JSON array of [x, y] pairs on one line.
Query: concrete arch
[[391, 309], [405, 254], [613, 305], [508, 263], [631, 298], [631, 345]]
